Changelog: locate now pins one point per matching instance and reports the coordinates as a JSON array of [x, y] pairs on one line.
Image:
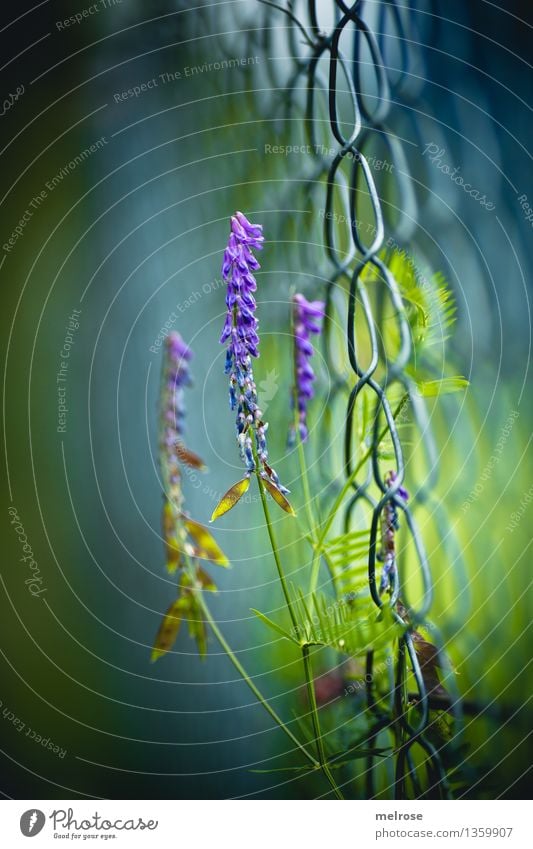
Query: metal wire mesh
[[353, 51]]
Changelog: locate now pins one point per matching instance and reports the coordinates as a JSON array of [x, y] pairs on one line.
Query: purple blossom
[[389, 526], [307, 319], [240, 334], [175, 377], [239, 262]]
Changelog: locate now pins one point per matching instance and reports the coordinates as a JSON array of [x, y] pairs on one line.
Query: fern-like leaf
[[273, 626], [352, 628]]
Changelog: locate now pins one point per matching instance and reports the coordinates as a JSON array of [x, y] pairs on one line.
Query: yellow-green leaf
[[231, 497], [173, 554], [173, 548], [168, 630], [275, 627], [206, 546], [169, 518], [432, 388], [278, 496]]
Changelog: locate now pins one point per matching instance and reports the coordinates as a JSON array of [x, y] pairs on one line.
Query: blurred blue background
[[130, 234]]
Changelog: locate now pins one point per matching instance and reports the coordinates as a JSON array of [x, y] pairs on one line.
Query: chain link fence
[[349, 75]]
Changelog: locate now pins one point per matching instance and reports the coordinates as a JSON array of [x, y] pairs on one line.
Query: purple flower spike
[[176, 376], [240, 334], [307, 319], [177, 349], [389, 526], [240, 327]]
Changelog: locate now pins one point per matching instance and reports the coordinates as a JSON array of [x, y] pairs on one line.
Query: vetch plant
[[345, 630], [306, 321], [240, 334], [353, 568], [187, 543], [389, 526], [349, 625]]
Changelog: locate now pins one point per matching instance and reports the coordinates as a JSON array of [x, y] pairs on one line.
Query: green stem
[[305, 484], [305, 650], [257, 693], [316, 722], [315, 566], [282, 578]]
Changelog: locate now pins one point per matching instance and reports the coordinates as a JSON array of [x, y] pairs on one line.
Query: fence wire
[[355, 51], [330, 50]]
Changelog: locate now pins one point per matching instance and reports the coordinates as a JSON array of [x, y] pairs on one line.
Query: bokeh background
[[130, 235]]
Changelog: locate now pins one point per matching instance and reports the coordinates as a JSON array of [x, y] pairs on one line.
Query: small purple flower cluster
[[176, 376], [307, 317], [240, 332], [389, 526], [239, 263]]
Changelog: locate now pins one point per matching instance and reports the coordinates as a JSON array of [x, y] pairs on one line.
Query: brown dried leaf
[[170, 625], [429, 660], [197, 626], [278, 496], [174, 555], [189, 458], [173, 548], [206, 580]]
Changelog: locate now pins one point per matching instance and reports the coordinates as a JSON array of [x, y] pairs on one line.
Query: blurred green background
[[132, 233]]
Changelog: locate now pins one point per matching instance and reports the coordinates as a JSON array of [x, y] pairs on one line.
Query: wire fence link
[[371, 41]]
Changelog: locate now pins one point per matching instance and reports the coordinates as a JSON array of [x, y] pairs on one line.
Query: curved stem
[[257, 693], [305, 651], [305, 483], [281, 574], [316, 722]]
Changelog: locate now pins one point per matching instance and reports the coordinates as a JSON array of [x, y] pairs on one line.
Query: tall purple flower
[[389, 526], [307, 316], [240, 334], [175, 377]]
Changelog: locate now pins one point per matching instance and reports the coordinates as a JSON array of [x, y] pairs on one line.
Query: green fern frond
[[352, 628], [346, 557], [430, 304]]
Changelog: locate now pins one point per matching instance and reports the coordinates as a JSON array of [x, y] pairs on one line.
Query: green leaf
[[277, 628], [432, 305], [352, 536], [347, 553], [304, 768], [356, 754], [444, 386], [230, 499], [352, 628], [278, 496]]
